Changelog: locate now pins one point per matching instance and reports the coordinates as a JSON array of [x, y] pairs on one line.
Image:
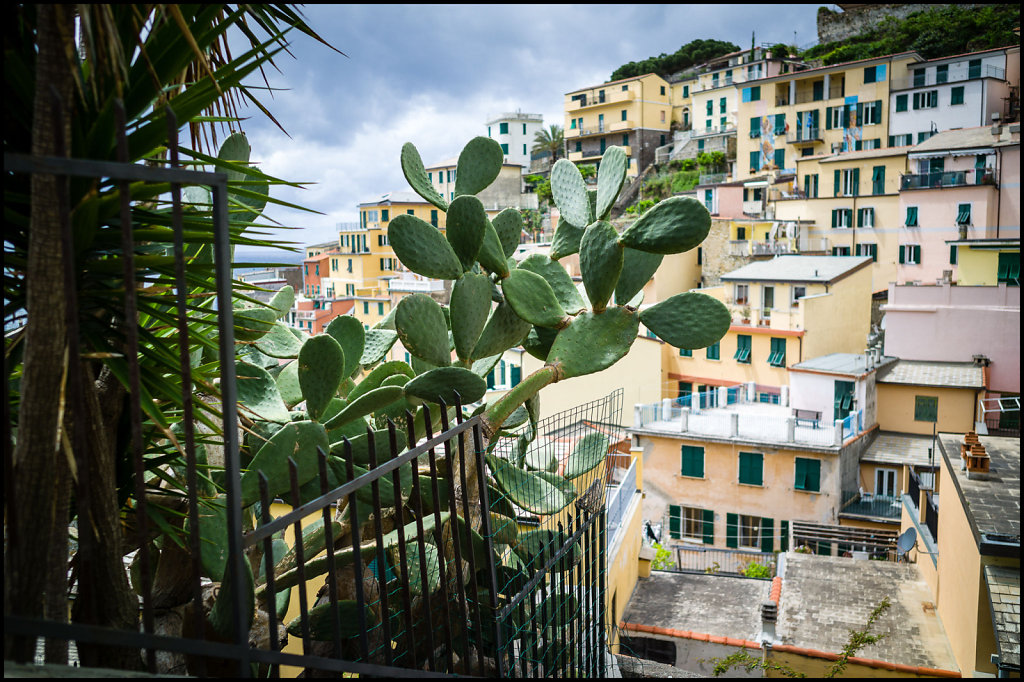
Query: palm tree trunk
[[35, 455]]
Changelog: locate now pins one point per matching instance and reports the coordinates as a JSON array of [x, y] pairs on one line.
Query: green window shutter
[[783, 536], [755, 126], [767, 535], [917, 253], [709, 527], [952, 254], [813, 481], [731, 531], [835, 213], [755, 161], [490, 379], [878, 180], [674, 521], [692, 461], [856, 182], [963, 215], [901, 102], [837, 184], [780, 157], [384, 215], [517, 375], [751, 468], [903, 253], [956, 95], [685, 353], [800, 478], [911, 216]]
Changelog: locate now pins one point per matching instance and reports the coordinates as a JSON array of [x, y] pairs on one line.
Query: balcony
[[805, 96], [804, 136], [860, 503], [962, 178], [932, 78], [615, 126], [753, 208], [594, 99], [712, 178], [714, 130]]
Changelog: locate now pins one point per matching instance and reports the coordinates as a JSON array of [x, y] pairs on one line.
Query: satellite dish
[[906, 542]]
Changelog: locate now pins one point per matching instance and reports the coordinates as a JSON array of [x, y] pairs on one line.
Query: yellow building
[[785, 310], [968, 551], [915, 395], [823, 110], [507, 190], [849, 205], [633, 113], [987, 262]]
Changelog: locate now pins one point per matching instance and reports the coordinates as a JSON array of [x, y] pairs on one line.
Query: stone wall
[[833, 26], [717, 260]]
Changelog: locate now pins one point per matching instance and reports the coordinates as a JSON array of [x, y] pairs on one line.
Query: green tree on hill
[[694, 52]]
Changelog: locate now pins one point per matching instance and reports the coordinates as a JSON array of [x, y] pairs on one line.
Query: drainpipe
[[999, 190]]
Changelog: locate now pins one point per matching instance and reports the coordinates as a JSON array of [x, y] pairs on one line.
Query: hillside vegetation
[[694, 52], [940, 32]]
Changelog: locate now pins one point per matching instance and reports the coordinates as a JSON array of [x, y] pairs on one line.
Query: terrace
[[731, 413]]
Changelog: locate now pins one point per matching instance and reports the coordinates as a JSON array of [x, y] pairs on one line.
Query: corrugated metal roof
[[799, 269], [921, 373]]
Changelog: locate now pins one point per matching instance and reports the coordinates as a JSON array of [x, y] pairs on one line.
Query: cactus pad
[[376, 377], [283, 301], [376, 345], [491, 256], [537, 547], [532, 299], [279, 342], [421, 327], [288, 384], [442, 384], [246, 203], [422, 248], [528, 491], [503, 330], [365, 404], [570, 193], [479, 164], [321, 363], [637, 269], [258, 393], [350, 335], [509, 226], [538, 342], [252, 323], [322, 621], [298, 440], [565, 486], [556, 276], [416, 175], [588, 454], [600, 263], [610, 177], [542, 456], [470, 305], [466, 225], [691, 320], [566, 240], [674, 225], [592, 202], [593, 342]]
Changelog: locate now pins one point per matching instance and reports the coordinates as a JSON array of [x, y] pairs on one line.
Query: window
[[691, 461], [847, 182], [952, 254], [798, 293], [713, 351], [524, 129], [691, 522], [721, 105], [910, 254], [1009, 268], [840, 250], [755, 126], [911, 216], [963, 214], [524, 149], [926, 408], [974, 68], [942, 73], [685, 353], [842, 218], [901, 102], [904, 140], [779, 158], [751, 468], [752, 94], [504, 149], [869, 74], [710, 106], [956, 95], [380, 308], [808, 474], [410, 212], [623, 115], [572, 126], [878, 180], [926, 100], [663, 89], [433, 217], [777, 357], [871, 113], [742, 353], [742, 293], [686, 90], [384, 215], [811, 186], [755, 161], [741, 232], [625, 139], [919, 78], [767, 300], [603, 143], [866, 217], [503, 128], [868, 250], [723, 123], [843, 399], [366, 308], [835, 117]]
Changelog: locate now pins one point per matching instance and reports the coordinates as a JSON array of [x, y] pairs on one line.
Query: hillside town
[[866, 239], [831, 488]]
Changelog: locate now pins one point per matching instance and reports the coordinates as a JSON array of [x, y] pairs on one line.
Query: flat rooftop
[[901, 448], [944, 374], [992, 503], [849, 364], [717, 605], [823, 598], [819, 269]]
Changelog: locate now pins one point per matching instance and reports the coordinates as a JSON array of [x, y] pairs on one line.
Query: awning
[[756, 183]]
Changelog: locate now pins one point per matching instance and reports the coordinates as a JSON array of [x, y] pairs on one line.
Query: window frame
[[714, 351], [804, 466], [777, 356], [691, 459], [744, 466], [746, 527], [743, 349], [912, 217]]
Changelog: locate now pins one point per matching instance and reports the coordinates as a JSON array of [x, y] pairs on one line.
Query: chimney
[[769, 616], [977, 462]]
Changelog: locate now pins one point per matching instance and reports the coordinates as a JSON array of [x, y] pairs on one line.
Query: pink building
[[964, 185], [313, 315]]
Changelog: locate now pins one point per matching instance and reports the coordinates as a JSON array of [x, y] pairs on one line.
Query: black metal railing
[[960, 178], [914, 488], [725, 561], [931, 516], [868, 504], [413, 577]]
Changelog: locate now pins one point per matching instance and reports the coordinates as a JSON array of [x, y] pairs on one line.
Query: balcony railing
[[805, 96], [961, 178], [415, 285], [715, 130], [804, 135], [931, 78], [713, 178], [860, 503], [618, 498]]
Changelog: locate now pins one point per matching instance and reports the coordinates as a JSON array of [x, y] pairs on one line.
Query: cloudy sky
[[432, 74]]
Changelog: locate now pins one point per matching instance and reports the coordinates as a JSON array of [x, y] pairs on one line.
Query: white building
[[515, 131], [964, 91]]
